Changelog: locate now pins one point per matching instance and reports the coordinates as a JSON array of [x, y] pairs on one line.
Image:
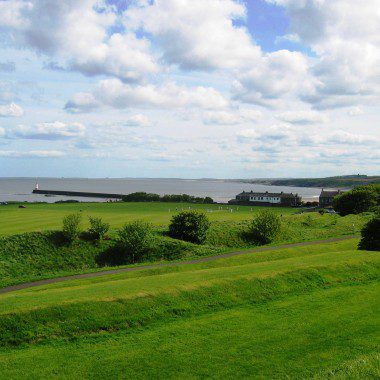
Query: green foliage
[[36, 255], [151, 197], [321, 211], [265, 227], [71, 227], [360, 199], [98, 228], [190, 226], [135, 241], [370, 240]]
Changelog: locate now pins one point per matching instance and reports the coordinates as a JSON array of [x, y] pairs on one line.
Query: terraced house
[[267, 199]]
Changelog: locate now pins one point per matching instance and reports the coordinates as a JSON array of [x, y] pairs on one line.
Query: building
[[326, 197], [267, 199]]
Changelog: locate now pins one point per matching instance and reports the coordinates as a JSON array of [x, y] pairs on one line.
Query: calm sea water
[[20, 189]]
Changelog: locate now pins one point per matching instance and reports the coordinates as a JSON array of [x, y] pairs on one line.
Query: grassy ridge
[[300, 312], [39, 255], [125, 314]]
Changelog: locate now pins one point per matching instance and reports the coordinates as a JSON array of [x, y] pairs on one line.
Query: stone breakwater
[[78, 194]]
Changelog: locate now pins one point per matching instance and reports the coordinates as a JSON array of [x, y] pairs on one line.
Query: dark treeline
[[151, 197]]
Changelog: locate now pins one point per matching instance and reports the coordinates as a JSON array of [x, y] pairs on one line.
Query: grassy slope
[[36, 256], [38, 217], [298, 312]]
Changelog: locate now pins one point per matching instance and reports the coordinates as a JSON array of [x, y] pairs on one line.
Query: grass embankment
[[42, 217], [300, 312], [33, 256]]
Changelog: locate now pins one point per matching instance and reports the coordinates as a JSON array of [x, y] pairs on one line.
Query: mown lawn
[[38, 217], [300, 313]]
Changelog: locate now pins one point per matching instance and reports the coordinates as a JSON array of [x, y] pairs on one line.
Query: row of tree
[[151, 197]]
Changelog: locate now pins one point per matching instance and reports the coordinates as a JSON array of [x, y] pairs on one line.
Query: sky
[[189, 88]]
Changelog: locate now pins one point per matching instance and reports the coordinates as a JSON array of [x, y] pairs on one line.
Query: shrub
[[370, 240], [135, 241], [190, 226], [265, 227], [71, 227], [321, 211], [98, 228], [355, 201]]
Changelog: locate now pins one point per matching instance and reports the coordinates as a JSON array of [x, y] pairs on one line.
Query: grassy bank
[[300, 312], [39, 255]]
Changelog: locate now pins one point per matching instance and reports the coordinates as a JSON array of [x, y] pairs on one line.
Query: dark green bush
[[265, 227], [151, 197], [71, 227], [358, 200], [370, 240], [190, 226], [98, 228], [135, 241]]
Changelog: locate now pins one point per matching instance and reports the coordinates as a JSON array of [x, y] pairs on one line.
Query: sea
[[20, 189]]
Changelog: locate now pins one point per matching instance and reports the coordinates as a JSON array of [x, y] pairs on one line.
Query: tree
[[355, 201], [98, 228], [190, 226], [135, 241], [370, 240], [71, 227], [265, 226]]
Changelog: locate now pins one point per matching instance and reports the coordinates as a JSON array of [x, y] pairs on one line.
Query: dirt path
[[141, 267]]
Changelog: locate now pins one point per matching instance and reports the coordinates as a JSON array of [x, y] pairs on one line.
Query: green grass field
[[305, 312], [38, 217]]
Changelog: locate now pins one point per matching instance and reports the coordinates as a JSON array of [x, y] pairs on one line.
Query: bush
[[358, 200], [98, 228], [135, 241], [71, 227], [265, 227], [190, 226], [370, 240]]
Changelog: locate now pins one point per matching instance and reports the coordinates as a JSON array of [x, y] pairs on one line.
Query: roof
[[267, 194], [330, 193]]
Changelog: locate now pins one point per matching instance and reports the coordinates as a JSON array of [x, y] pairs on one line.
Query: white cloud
[[138, 120], [355, 111], [196, 34], [49, 131], [278, 75], [231, 117], [32, 153], [302, 117], [11, 110], [116, 94], [345, 36], [77, 32], [293, 37], [2, 132]]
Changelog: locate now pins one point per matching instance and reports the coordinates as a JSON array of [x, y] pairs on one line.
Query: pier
[[78, 194]]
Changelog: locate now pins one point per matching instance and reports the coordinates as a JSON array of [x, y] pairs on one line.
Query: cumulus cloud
[[276, 76], [345, 38], [302, 117], [11, 110], [196, 34], [78, 33], [32, 153], [231, 117], [48, 131], [116, 94]]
